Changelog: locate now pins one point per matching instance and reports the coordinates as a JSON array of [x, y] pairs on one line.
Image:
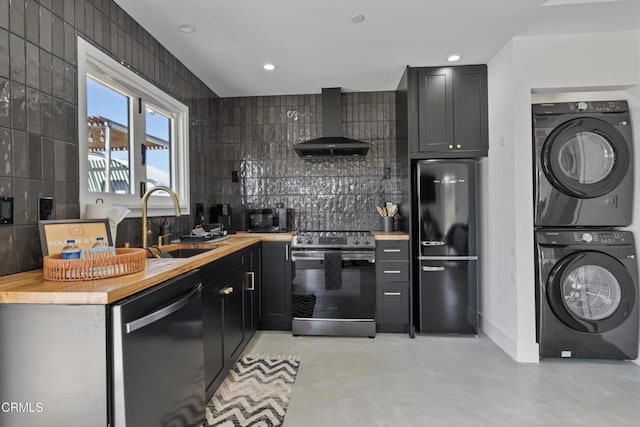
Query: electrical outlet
[[45, 208], [387, 173], [6, 210], [234, 176]]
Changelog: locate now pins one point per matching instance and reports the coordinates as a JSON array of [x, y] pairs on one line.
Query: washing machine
[[587, 293], [583, 164]]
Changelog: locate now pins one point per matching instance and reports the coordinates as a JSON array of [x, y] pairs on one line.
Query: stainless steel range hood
[[332, 143]]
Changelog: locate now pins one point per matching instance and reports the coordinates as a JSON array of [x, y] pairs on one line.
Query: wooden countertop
[[31, 288], [391, 235], [268, 237]]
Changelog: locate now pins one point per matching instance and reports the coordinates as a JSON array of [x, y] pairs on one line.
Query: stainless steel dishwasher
[[158, 358]]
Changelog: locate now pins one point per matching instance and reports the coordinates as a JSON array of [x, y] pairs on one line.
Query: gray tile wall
[[255, 136], [38, 110]]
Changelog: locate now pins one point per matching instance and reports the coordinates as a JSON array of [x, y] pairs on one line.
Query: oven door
[[318, 296]]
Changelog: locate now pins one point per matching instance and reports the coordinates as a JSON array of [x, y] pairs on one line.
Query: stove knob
[[356, 241], [365, 241], [309, 241], [587, 238], [299, 240]]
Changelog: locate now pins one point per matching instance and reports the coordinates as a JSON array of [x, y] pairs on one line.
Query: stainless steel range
[[334, 283]]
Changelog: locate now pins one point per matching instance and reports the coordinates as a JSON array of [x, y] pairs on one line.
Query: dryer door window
[[585, 157], [591, 291]]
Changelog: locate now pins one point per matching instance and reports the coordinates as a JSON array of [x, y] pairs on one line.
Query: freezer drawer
[[448, 296]]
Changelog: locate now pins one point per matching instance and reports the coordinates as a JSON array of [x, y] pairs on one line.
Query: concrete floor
[[447, 381]]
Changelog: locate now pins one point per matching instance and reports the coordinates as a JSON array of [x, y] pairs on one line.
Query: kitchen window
[[132, 137]]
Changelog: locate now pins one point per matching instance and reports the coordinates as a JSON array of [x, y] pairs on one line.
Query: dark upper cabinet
[[435, 109], [276, 286], [452, 118]]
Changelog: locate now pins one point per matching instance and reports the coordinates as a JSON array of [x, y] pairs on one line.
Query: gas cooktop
[[333, 239]]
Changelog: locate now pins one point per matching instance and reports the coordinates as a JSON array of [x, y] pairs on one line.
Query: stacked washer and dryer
[[586, 275]]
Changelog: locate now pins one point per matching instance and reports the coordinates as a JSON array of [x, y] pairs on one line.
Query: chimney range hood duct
[[332, 143]]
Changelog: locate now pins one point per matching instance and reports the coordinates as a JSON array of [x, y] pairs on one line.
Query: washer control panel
[[584, 237], [598, 106], [602, 237], [579, 107]]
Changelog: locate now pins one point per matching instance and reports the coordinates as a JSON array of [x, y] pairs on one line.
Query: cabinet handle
[[253, 280], [227, 291], [391, 250], [286, 252], [392, 271], [427, 268], [393, 294], [429, 243]]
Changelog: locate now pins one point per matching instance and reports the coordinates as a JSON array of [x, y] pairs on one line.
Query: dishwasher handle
[[163, 312]]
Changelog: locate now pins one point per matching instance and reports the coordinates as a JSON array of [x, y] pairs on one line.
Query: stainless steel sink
[[184, 252]]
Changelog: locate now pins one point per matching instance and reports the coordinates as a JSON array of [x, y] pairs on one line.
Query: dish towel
[[332, 270]]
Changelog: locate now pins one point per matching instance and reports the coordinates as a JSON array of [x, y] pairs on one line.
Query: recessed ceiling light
[[454, 58], [187, 28], [567, 2], [356, 19], [269, 67]]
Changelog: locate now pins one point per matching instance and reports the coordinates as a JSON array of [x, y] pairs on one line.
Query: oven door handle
[[346, 256]]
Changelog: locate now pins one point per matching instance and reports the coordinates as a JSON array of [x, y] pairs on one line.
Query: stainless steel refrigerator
[[446, 239]]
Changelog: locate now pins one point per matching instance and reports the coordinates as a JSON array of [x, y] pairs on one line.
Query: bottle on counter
[[99, 243], [71, 250]]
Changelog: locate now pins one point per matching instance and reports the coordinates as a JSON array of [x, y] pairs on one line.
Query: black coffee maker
[[221, 214]]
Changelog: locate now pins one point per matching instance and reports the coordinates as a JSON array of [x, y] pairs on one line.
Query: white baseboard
[[520, 352]]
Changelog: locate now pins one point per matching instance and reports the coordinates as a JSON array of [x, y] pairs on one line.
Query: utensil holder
[[387, 224]]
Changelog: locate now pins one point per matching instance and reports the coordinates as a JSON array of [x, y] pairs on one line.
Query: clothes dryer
[[583, 164], [587, 293]]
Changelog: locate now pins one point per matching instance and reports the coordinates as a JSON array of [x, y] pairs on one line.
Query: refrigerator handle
[[428, 268], [432, 243]]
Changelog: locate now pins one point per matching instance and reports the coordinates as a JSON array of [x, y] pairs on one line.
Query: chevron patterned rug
[[254, 393]]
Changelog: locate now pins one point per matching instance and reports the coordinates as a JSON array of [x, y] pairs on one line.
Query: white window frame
[[93, 62]]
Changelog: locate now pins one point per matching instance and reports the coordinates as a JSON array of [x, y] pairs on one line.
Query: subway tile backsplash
[[255, 136]]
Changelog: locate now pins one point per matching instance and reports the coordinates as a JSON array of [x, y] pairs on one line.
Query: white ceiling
[[314, 44]]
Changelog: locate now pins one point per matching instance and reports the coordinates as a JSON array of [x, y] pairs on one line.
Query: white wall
[[498, 223], [545, 66]]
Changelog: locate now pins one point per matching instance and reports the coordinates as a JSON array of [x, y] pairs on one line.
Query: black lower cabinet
[[230, 297], [233, 298], [276, 286], [392, 286], [213, 335], [392, 306], [222, 312], [252, 291]]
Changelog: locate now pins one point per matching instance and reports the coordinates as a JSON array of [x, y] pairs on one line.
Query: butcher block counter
[[30, 287]]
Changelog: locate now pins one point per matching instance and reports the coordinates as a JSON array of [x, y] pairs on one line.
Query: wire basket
[[125, 261]]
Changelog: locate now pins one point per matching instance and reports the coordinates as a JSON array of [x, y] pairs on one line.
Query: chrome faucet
[[145, 201]]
